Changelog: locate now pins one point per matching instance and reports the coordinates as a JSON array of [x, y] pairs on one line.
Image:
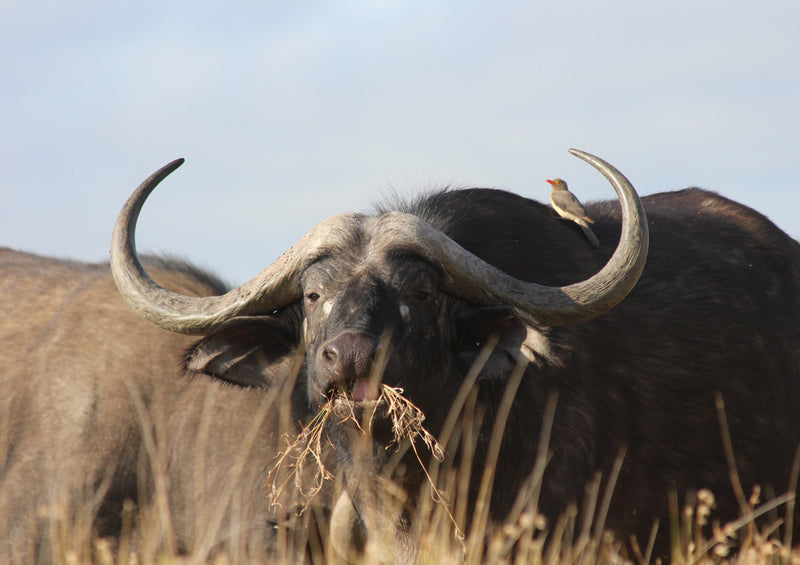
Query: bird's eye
[[312, 297]]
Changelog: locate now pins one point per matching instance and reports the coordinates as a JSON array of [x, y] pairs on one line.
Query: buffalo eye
[[422, 296], [312, 297]]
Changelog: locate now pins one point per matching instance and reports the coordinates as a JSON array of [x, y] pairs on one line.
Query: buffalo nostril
[[330, 355]]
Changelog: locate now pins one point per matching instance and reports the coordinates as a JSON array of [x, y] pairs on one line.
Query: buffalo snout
[[345, 363]]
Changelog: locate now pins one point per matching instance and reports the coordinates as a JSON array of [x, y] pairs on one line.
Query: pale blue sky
[[291, 112]]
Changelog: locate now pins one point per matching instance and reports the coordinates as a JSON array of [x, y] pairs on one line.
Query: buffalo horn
[[476, 281], [274, 287]]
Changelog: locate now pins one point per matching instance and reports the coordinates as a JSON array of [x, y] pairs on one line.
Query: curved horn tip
[[172, 165], [155, 179], [607, 169], [588, 157]]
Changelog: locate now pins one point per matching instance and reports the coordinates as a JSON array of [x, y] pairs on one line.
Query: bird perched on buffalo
[[569, 207]]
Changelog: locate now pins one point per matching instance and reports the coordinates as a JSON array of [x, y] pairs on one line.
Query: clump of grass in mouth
[[306, 449], [301, 451], [407, 421]]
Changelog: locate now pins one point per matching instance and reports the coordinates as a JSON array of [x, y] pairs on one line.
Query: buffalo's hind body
[[716, 314], [714, 317], [96, 409]]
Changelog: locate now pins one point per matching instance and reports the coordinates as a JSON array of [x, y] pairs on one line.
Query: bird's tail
[[590, 236]]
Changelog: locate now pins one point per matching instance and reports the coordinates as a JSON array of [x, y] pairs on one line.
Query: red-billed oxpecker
[[569, 207]]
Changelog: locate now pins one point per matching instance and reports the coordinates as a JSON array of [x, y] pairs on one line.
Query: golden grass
[[440, 522], [301, 451], [698, 541], [306, 449]]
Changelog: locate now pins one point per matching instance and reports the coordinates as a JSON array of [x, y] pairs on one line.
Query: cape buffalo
[[491, 289], [96, 409]]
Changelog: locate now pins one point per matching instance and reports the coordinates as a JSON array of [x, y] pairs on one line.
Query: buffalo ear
[[249, 351], [477, 326]]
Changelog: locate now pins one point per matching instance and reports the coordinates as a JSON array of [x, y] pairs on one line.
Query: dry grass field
[[528, 540], [696, 537]]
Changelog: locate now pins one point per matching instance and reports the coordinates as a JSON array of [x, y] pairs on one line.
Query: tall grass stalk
[[440, 519]]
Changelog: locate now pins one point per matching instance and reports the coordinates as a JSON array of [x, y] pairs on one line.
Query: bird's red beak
[[551, 182]]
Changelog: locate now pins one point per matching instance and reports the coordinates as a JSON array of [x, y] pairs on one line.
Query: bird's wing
[[567, 202]]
